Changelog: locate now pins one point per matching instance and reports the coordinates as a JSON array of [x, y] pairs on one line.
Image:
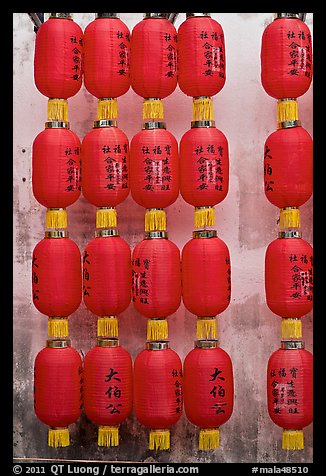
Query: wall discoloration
[[245, 220]]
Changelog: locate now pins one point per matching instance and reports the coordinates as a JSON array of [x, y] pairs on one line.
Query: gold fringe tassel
[[58, 437], [202, 109], [58, 110], [107, 108], [56, 218], [287, 110], [204, 216], [108, 436], [153, 109], [58, 327], [157, 329], [155, 219], [289, 217], [159, 440], [209, 438], [291, 328], [292, 440], [107, 326], [206, 328], [106, 217]]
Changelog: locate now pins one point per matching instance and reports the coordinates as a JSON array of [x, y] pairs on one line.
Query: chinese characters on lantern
[[209, 167], [299, 54], [213, 56], [116, 168], [139, 280], [170, 57], [113, 391], [76, 57]]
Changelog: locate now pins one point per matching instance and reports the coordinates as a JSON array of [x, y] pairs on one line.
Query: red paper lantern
[[107, 279], [201, 55], [206, 279], [288, 167], [154, 171], [158, 391], [156, 281], [289, 275], [290, 391], [208, 390], [153, 56], [56, 168], [58, 57], [106, 56], [57, 279], [204, 167], [105, 158], [286, 57], [107, 388], [57, 389]]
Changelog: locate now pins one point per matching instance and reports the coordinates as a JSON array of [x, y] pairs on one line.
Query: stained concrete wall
[[245, 220]]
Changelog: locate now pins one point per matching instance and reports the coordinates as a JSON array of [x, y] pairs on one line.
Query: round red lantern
[[288, 167], [289, 280], [158, 396], [107, 388], [153, 56], [154, 172], [286, 56], [56, 171], [204, 169], [57, 389], [107, 279], [156, 281], [105, 159], [206, 279], [290, 391], [106, 56], [208, 390], [56, 280], [201, 55]]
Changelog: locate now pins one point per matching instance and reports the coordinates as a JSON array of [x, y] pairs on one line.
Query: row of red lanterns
[[286, 74]]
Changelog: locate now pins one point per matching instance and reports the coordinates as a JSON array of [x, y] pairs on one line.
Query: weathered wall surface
[[246, 221]]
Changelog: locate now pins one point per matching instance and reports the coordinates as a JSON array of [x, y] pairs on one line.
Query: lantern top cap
[[155, 15], [204, 234], [106, 15], [207, 344], [154, 125], [189, 15], [56, 233], [57, 125], [292, 345], [289, 124], [105, 123], [108, 342], [68, 16], [202, 123], [300, 16], [102, 233], [58, 343], [157, 345], [290, 234], [156, 234]]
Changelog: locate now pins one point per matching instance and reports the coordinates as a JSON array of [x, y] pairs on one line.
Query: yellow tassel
[[287, 110], [292, 440], [107, 108], [157, 329], [108, 436], [289, 217], [58, 327], [206, 328], [204, 216], [291, 328], [58, 110], [159, 440], [107, 326], [209, 438], [155, 219], [56, 218], [202, 109], [153, 109], [58, 437], [106, 217]]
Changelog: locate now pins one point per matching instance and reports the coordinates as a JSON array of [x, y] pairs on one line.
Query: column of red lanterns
[[286, 74], [206, 270], [56, 261]]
